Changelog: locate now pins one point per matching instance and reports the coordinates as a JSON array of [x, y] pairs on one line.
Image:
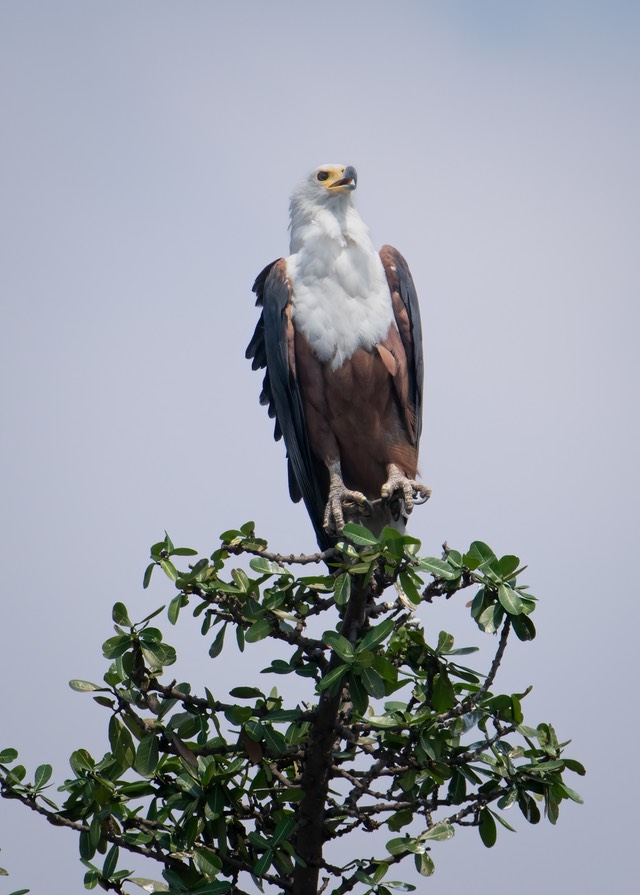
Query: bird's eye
[[323, 175]]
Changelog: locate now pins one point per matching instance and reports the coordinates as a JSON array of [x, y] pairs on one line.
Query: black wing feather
[[269, 348]]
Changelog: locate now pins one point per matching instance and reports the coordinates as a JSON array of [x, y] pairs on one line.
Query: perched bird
[[340, 337]]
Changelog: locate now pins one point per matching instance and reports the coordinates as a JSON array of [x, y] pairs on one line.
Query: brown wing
[[407, 314]]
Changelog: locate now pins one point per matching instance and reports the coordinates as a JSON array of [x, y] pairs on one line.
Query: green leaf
[[157, 655], [215, 803], [382, 721], [445, 643], [282, 830], [263, 863], [218, 643], [491, 619], [529, 808], [195, 573], [147, 574], [510, 600], [151, 615], [8, 755], [507, 565], [478, 554], [122, 745], [116, 646], [110, 862], [571, 793], [265, 566], [424, 864], [373, 683], [364, 659], [502, 821], [80, 761], [409, 585], [523, 627], [444, 696], [333, 677], [377, 635], [358, 694], [552, 804], [274, 740], [169, 569], [258, 631], [359, 535], [571, 764], [174, 608], [527, 605], [386, 669], [400, 819], [219, 887], [438, 567], [438, 833], [207, 862], [487, 828], [91, 878], [399, 846], [342, 589], [457, 790], [237, 714], [42, 775], [278, 666], [149, 885], [88, 841], [339, 645], [120, 615], [147, 756], [84, 686], [245, 692]]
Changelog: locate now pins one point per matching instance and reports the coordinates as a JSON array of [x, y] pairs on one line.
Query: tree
[[398, 737]]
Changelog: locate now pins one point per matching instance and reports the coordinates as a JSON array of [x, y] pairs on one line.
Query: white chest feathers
[[341, 299]]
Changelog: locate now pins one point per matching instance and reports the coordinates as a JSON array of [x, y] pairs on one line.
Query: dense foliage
[[234, 787]]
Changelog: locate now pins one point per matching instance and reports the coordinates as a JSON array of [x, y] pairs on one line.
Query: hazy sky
[[148, 151]]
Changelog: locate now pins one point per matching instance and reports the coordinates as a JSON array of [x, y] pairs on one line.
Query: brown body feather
[[355, 414]]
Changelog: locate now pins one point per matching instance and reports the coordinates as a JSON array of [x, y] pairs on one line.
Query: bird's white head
[[327, 188], [332, 180]]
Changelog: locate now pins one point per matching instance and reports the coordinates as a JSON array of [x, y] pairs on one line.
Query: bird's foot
[[342, 506], [402, 492]]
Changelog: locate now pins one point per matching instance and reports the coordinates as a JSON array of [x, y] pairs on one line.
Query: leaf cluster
[[214, 784]]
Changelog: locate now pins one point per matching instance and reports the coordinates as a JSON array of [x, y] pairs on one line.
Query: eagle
[[340, 337]]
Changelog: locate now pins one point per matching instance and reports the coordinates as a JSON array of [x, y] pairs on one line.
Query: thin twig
[[468, 704]]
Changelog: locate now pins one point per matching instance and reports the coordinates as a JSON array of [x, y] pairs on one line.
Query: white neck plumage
[[335, 219], [341, 299]]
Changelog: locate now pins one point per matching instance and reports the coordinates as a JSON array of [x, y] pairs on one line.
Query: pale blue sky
[[148, 151]]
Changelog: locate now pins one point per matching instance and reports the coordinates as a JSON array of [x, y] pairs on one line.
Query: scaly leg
[[340, 499], [408, 491]]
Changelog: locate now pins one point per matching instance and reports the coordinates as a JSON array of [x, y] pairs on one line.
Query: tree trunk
[[319, 759]]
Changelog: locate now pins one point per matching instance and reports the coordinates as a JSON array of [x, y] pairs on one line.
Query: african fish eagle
[[340, 337]]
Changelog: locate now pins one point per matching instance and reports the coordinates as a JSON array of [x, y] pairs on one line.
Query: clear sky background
[[147, 155]]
